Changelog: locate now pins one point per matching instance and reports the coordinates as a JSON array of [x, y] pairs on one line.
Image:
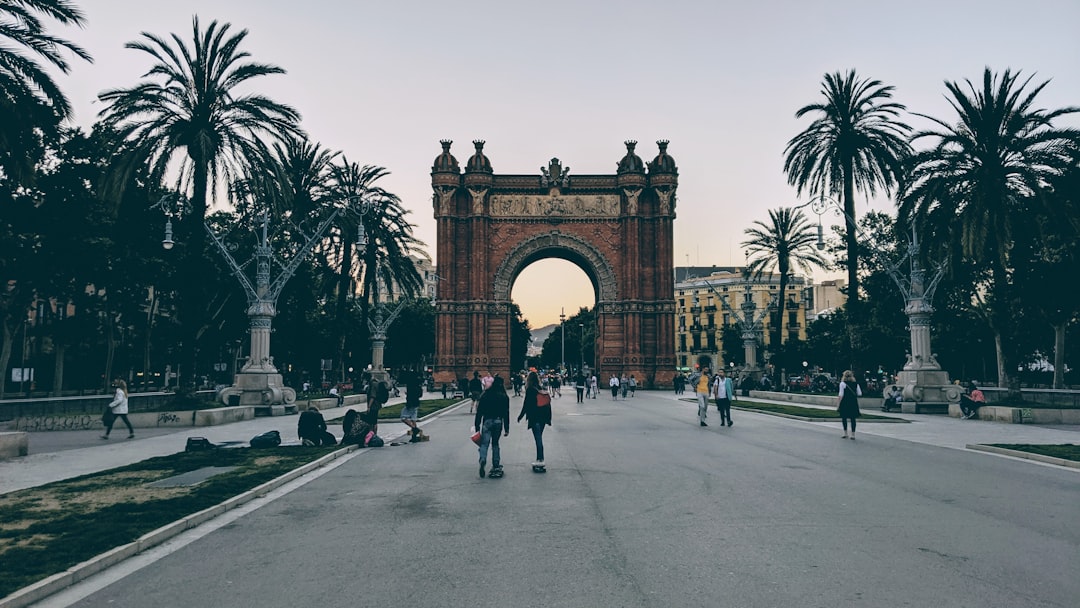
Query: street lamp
[[562, 330], [581, 345]]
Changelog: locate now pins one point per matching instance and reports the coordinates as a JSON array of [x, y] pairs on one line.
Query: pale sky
[[385, 81]]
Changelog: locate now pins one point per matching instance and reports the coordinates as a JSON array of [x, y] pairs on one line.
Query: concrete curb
[[81, 571], [1061, 462]]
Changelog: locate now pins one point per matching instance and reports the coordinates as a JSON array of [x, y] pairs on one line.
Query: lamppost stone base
[[927, 390], [265, 391]]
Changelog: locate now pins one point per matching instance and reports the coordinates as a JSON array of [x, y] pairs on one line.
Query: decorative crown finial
[[663, 144], [446, 143], [630, 143], [479, 143]]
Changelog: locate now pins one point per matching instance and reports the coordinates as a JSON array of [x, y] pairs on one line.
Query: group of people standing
[[492, 419], [627, 386], [718, 387]]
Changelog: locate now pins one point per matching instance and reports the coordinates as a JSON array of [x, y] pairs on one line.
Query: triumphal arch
[[616, 228]]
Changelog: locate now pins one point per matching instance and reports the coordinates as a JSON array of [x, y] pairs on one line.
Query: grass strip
[[803, 412], [50, 528], [1065, 451]]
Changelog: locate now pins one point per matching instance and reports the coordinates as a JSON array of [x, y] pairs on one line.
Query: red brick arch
[[616, 228]]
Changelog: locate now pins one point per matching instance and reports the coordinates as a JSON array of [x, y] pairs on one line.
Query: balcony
[[695, 310], [710, 309]]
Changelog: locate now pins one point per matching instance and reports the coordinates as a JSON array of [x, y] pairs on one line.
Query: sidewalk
[[39, 468], [948, 432]]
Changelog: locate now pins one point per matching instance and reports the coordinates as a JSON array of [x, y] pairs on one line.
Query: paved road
[[641, 507]]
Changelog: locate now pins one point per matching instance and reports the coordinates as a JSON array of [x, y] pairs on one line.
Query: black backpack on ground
[[269, 439], [375, 442]]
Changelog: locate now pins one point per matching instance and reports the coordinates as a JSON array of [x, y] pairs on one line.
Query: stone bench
[[1022, 415], [14, 444]]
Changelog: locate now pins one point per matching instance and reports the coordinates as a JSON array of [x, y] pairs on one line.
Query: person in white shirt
[[118, 408]]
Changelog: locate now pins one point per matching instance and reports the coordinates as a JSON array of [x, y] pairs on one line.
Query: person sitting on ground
[[972, 401], [311, 428], [355, 429]]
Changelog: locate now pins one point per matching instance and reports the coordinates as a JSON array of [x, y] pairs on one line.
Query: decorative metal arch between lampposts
[[258, 381], [922, 379]]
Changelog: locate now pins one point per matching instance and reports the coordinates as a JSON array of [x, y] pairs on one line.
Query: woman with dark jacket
[[848, 401], [536, 417], [492, 416]]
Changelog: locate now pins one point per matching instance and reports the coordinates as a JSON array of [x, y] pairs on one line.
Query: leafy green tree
[[986, 172], [856, 143], [31, 103], [786, 242]]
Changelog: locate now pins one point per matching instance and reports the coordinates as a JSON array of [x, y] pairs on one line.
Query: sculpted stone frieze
[[568, 205]]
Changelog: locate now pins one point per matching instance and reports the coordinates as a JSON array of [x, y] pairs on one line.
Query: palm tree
[[29, 97], [387, 241], [189, 120], [195, 113], [856, 143], [986, 175], [787, 241]]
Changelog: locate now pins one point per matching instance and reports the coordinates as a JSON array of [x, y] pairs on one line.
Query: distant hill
[[538, 336]]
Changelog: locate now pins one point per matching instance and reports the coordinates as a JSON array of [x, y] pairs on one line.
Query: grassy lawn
[[795, 410], [48, 529], [1064, 451], [393, 412]]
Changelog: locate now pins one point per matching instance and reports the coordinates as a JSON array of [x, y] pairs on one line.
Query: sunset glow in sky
[[385, 81]]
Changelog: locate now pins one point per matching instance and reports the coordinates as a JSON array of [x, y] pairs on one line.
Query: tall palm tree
[[189, 119], [29, 97], [857, 142], [787, 241], [987, 173]]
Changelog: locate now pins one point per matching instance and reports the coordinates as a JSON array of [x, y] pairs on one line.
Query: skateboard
[[496, 473], [539, 468]]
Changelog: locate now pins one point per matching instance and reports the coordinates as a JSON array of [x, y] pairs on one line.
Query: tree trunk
[[852, 244], [58, 368], [5, 355], [1059, 354], [780, 306]]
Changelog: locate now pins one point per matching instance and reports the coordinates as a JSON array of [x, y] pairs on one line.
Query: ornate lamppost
[[922, 379], [258, 382]]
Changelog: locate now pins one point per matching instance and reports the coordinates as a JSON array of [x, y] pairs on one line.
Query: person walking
[[848, 401], [624, 385], [579, 386], [633, 385], [536, 416], [118, 408], [613, 383], [492, 417], [476, 387], [724, 392], [593, 385], [700, 380]]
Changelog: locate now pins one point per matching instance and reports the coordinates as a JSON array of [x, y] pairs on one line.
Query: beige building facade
[[701, 316]]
